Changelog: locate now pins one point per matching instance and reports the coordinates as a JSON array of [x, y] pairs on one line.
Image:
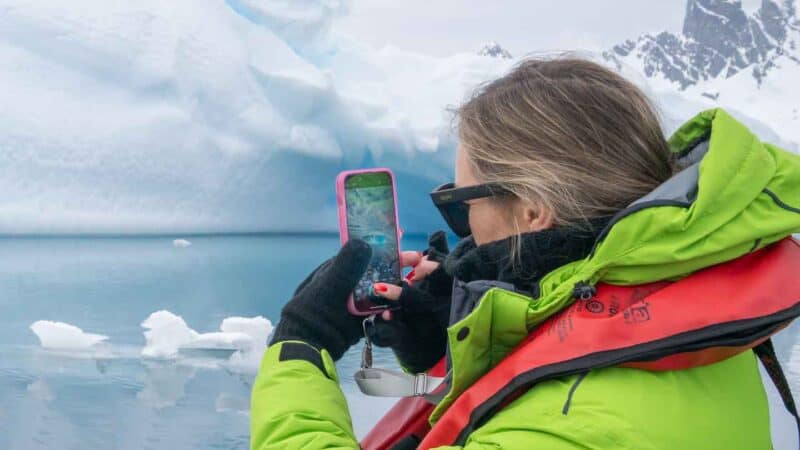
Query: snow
[[707, 11], [494, 50], [767, 109], [770, 103], [63, 336], [166, 117]]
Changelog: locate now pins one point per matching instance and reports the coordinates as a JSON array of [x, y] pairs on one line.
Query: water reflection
[[227, 402], [165, 383], [41, 391]]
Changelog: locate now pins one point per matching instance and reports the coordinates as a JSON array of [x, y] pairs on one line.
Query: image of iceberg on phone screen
[[368, 211]]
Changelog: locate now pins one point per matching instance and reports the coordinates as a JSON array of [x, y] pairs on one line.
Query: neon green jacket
[[735, 195]]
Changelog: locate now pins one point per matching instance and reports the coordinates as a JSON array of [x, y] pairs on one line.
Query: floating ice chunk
[[221, 340], [243, 339], [259, 327], [63, 336], [181, 243], [166, 333]]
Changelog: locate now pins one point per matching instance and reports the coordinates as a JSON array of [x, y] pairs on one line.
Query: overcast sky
[[443, 27]]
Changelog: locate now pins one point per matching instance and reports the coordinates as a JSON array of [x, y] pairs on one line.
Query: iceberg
[[164, 334], [63, 336], [259, 329], [166, 117], [241, 341], [181, 243]]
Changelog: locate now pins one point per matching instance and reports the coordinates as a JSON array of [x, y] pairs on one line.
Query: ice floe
[[165, 334], [242, 339], [63, 336], [237, 346], [259, 329], [181, 243]]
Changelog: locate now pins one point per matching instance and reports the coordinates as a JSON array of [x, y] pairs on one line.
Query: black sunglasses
[[452, 203]]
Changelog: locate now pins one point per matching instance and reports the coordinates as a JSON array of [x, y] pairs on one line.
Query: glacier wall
[[213, 116]]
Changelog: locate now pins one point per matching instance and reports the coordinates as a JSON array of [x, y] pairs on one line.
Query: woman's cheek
[[481, 224]]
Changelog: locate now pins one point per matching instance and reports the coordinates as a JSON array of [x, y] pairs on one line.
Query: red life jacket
[[704, 318]]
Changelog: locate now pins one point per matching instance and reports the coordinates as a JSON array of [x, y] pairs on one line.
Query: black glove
[[417, 332], [317, 314]]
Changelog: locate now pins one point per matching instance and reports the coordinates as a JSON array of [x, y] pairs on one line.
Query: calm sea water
[[108, 286]]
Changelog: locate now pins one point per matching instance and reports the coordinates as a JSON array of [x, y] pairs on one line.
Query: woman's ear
[[536, 217]]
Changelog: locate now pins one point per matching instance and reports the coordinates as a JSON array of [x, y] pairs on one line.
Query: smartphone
[[367, 203]]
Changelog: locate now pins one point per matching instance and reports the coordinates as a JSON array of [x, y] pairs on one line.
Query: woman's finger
[[387, 291], [410, 259], [422, 270]]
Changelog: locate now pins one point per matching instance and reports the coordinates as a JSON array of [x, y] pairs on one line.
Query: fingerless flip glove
[[417, 332], [317, 314]]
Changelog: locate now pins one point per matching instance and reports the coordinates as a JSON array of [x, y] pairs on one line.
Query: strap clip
[[583, 290], [420, 384]]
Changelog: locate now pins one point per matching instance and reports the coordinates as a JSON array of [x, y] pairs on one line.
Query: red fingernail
[[380, 287], [410, 275]]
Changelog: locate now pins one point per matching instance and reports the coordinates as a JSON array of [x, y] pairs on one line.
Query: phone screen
[[369, 198]]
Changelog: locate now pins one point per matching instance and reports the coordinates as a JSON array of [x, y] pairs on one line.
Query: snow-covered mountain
[[748, 63], [494, 50]]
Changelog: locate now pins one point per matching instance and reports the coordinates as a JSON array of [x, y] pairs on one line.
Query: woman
[[564, 183]]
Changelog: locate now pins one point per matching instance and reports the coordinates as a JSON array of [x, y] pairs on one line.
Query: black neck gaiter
[[540, 252]]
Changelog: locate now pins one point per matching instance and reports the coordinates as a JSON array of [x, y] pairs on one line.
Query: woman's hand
[[317, 314], [417, 331]]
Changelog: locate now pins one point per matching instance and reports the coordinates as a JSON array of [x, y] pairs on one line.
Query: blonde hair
[[568, 134]]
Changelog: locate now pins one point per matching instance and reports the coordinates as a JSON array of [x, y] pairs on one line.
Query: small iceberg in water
[[216, 345], [237, 346], [242, 339], [63, 336], [259, 329], [181, 243], [166, 332]]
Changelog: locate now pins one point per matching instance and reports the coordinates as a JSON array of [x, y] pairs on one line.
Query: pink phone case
[[343, 235]]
